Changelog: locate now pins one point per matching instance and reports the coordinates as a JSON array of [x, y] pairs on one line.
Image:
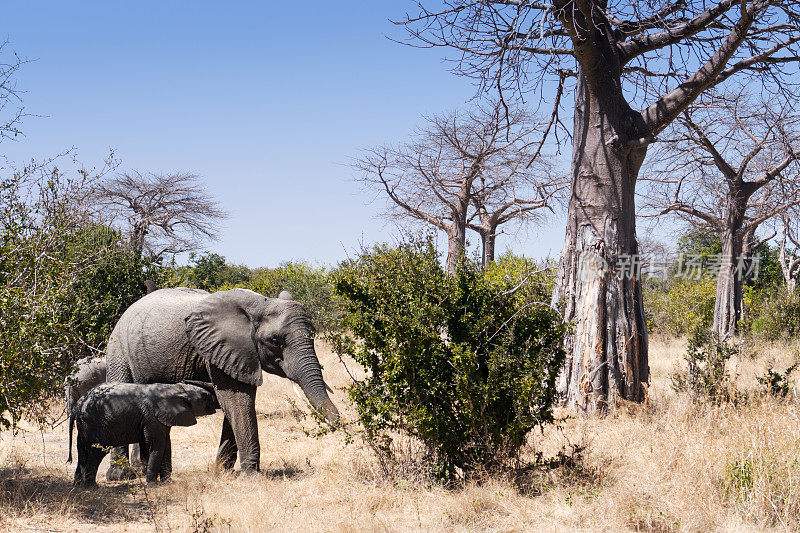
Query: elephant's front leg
[[226, 455], [166, 464], [238, 401], [156, 438]]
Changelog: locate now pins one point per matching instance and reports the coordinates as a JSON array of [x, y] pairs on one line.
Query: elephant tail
[[71, 424]]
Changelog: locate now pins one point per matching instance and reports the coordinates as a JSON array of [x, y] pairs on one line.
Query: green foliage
[[109, 282], [311, 286], [464, 363], [64, 282], [536, 278], [769, 275], [777, 384], [771, 312], [701, 243], [737, 481], [679, 306], [706, 376], [210, 272]]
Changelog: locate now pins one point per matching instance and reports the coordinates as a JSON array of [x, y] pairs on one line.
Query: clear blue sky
[[267, 101]]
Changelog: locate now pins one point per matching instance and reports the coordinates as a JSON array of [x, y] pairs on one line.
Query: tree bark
[[489, 241], [137, 238], [728, 299], [456, 243], [607, 349]]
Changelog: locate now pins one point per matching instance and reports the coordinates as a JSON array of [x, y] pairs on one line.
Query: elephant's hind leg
[[119, 370], [95, 457]]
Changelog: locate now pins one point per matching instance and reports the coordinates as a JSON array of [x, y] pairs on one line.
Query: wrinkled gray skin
[[90, 372], [115, 414], [226, 338]]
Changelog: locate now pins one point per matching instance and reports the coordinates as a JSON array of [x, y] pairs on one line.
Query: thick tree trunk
[[729, 297], [137, 238], [456, 242], [607, 349], [488, 240]]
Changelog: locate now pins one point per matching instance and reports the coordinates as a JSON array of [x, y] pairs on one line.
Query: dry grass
[[668, 466]]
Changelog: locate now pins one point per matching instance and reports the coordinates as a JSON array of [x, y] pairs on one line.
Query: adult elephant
[[227, 338]]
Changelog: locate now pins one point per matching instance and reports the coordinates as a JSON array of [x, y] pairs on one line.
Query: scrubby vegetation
[[64, 281], [465, 363]]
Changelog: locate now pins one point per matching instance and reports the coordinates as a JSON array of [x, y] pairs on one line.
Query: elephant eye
[[273, 340]]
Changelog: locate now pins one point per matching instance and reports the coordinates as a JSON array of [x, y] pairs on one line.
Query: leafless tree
[[728, 165], [476, 169], [11, 110], [517, 191], [634, 66], [165, 213]]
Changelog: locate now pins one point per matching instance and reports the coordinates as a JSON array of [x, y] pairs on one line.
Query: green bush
[[706, 377], [777, 384], [311, 286], [536, 278], [771, 313], [463, 363], [64, 282], [210, 272], [110, 279], [679, 306]]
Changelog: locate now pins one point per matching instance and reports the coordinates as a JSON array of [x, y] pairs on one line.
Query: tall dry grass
[[670, 465]]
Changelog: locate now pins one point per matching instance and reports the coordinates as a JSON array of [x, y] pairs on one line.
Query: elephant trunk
[[304, 369]]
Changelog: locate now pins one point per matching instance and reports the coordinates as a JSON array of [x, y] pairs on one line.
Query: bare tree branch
[[164, 213], [462, 166]]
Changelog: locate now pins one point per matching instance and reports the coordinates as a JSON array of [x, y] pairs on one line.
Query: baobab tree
[[510, 193], [165, 213], [634, 67], [728, 165], [476, 169]]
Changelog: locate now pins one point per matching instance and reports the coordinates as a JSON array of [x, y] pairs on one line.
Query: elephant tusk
[[297, 392]]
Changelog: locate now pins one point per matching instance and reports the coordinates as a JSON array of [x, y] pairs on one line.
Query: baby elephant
[[89, 372], [118, 414]]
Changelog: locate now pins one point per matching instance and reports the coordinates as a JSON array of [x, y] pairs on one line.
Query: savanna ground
[[671, 465]]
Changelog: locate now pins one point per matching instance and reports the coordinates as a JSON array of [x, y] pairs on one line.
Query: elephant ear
[[220, 329], [175, 411]]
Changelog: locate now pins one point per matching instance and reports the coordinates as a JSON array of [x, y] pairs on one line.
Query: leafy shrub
[[311, 286], [679, 306], [64, 282], [110, 280], [777, 384], [211, 272], [460, 362], [535, 278], [706, 376], [771, 313]]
